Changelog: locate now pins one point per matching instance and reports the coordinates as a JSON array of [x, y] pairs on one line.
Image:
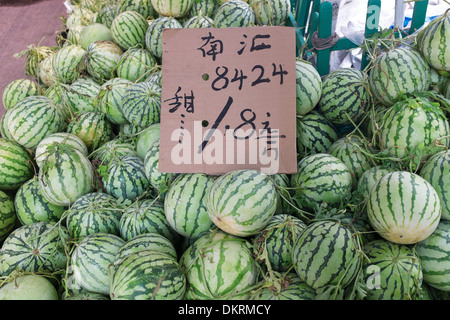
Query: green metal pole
[[419, 15], [324, 31]]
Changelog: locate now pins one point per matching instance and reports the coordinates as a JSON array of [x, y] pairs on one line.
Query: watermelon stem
[[382, 41], [285, 190]]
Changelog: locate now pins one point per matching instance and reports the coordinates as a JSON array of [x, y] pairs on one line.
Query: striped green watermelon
[[172, 8], [146, 139], [147, 275], [56, 92], [414, 127], [403, 208], [434, 256], [135, 64], [219, 266], [65, 176], [308, 86], [7, 215], [102, 58], [351, 150], [41, 153], [370, 178], [326, 254], [92, 259], [399, 71], [391, 271], [315, 134], [110, 99], [33, 119], [94, 212], [271, 12], [142, 104], [155, 77], [125, 178], [436, 171], [185, 204], [344, 96], [107, 14], [322, 178], [153, 36], [16, 165], [146, 216], [91, 127], [81, 94], [31, 206], [199, 21], [4, 131], [68, 63], [35, 247], [434, 43], [242, 202], [275, 242], [160, 181], [114, 149], [234, 13], [47, 74], [204, 8], [17, 90], [128, 29], [147, 241], [144, 7], [288, 287]]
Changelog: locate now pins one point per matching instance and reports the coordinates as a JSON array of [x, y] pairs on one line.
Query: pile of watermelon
[[86, 214]]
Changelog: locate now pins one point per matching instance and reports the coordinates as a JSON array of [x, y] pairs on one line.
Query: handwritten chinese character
[[187, 101], [271, 134], [256, 46], [215, 46]]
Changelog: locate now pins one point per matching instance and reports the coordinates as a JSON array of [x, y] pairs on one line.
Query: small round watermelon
[[322, 178], [326, 253], [242, 202], [7, 215], [391, 271], [219, 266], [16, 165], [403, 208], [29, 287], [91, 261]]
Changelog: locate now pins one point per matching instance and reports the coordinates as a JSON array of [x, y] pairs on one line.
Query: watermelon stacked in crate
[[83, 202]]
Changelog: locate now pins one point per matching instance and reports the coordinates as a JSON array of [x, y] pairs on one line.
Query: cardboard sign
[[228, 100]]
